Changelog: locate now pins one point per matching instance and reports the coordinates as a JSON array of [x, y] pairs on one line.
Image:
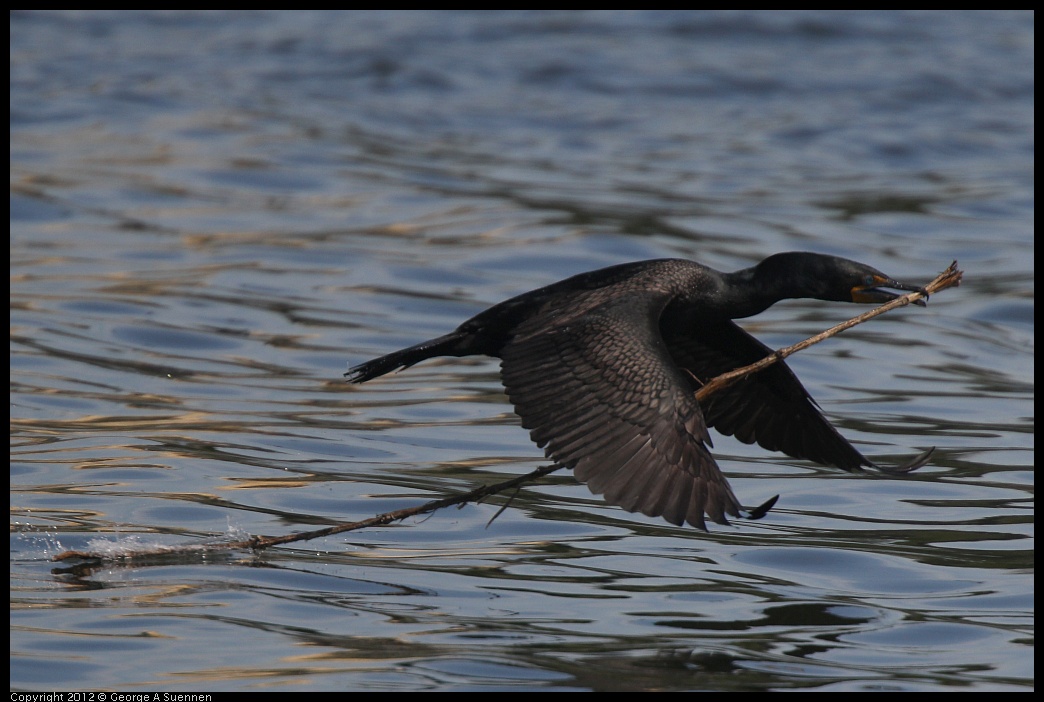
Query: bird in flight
[[603, 369]]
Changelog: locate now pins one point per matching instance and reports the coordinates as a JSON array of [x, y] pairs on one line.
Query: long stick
[[261, 542], [948, 278]]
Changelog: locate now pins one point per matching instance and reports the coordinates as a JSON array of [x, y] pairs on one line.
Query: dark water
[[212, 213]]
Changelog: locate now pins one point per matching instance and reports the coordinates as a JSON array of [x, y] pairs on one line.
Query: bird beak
[[873, 294]]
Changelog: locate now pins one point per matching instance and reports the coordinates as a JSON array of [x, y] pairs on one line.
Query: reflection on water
[[202, 240]]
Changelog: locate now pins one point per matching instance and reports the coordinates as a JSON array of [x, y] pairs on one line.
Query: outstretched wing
[[771, 408], [600, 392]]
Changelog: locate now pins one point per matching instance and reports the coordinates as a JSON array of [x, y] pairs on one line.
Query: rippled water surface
[[213, 213]]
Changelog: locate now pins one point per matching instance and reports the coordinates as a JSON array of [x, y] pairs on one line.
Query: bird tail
[[452, 344]]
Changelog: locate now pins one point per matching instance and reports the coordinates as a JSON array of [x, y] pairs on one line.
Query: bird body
[[603, 368]]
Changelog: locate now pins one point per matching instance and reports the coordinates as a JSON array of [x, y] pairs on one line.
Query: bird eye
[[868, 280]]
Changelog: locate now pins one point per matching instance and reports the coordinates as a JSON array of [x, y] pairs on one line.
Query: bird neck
[[748, 292]]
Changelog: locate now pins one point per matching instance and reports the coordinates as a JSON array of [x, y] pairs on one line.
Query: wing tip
[[909, 467]]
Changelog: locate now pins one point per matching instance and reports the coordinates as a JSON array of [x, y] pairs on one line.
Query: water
[[212, 213]]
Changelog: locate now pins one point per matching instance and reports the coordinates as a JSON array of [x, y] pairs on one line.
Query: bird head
[[826, 277]]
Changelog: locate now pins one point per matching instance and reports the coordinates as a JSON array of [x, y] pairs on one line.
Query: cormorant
[[603, 368]]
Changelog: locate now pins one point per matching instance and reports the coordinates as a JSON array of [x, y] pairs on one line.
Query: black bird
[[603, 369]]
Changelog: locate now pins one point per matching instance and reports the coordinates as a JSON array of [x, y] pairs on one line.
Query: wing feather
[[771, 408], [600, 392]]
